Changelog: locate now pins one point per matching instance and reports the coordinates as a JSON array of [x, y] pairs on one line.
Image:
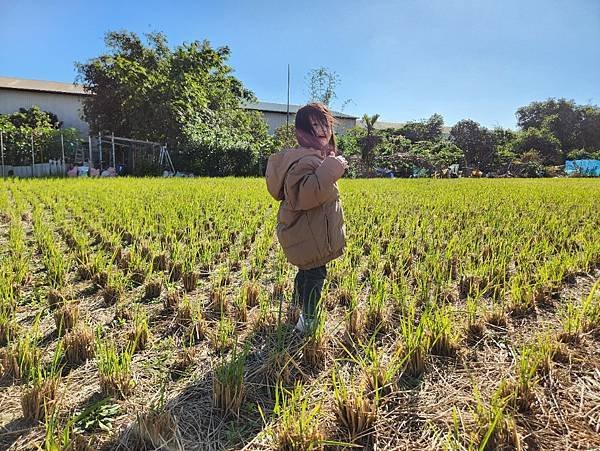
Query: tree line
[[188, 97], [550, 132]]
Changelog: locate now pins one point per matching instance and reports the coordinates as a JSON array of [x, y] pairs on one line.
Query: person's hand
[[342, 160]]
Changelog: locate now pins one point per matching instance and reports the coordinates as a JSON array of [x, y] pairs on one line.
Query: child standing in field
[[310, 222]]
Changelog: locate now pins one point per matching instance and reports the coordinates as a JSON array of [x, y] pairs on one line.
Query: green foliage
[[424, 130], [439, 154], [532, 164], [19, 128], [99, 415], [543, 141], [476, 141], [349, 143], [321, 85], [369, 141], [34, 118], [285, 137], [186, 97], [582, 154], [575, 126], [589, 128]]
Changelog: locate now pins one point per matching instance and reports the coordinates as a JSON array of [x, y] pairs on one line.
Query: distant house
[[275, 115], [65, 100]]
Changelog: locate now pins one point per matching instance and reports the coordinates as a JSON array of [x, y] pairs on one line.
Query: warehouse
[[65, 100]]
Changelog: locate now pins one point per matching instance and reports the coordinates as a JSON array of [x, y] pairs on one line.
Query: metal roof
[[282, 108], [41, 86], [70, 88]]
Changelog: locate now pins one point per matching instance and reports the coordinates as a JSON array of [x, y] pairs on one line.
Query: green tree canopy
[[186, 97], [439, 154], [542, 141], [424, 130], [43, 127], [589, 128], [369, 142], [285, 137], [575, 126], [476, 141]]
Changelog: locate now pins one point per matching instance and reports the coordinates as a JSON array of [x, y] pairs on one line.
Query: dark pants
[[307, 290]]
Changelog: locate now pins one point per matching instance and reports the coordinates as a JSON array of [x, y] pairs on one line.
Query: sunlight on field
[[146, 312]]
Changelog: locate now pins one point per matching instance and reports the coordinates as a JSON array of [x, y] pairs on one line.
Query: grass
[[114, 368], [463, 314], [229, 389]]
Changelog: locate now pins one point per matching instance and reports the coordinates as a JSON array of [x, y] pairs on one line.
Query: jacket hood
[[278, 165]]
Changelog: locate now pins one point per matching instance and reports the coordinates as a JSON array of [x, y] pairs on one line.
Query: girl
[[310, 222]]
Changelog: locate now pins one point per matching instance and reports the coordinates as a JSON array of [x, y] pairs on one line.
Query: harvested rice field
[[157, 314]]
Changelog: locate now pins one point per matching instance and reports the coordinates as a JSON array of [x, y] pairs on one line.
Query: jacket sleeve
[[307, 187]]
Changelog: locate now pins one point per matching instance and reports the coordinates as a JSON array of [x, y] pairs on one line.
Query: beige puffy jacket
[[310, 222]]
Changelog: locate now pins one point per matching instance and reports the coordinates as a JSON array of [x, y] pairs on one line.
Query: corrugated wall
[[275, 120]]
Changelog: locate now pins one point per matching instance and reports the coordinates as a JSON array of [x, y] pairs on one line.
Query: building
[[64, 100], [275, 115]]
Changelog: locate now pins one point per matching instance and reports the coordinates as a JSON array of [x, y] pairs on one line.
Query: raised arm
[[307, 187]]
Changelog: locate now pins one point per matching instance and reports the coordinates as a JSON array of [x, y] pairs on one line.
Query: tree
[[477, 143], [322, 83], [186, 97], [285, 137], [424, 130], [44, 127], [542, 141], [589, 128], [349, 143], [503, 136], [369, 141], [34, 118], [440, 154], [560, 116]]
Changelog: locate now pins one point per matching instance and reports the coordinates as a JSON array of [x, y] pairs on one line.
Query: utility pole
[[2, 153], [62, 147], [90, 162], [287, 118], [32, 155]]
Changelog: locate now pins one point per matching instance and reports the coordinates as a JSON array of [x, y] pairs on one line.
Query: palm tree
[[370, 141]]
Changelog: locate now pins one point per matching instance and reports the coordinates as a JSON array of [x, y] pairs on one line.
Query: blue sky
[[402, 59]]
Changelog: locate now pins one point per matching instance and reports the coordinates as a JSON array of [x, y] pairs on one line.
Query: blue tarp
[[383, 172], [583, 167]]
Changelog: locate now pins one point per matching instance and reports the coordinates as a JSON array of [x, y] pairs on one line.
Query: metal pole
[[32, 156], [90, 160], [114, 165], [288, 100], [100, 151], [2, 153], [168, 155], [62, 147]]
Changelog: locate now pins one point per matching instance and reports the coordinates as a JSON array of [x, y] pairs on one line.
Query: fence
[[35, 155], [53, 154], [52, 168]]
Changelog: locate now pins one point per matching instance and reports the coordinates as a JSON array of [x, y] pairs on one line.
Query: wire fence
[[62, 153]]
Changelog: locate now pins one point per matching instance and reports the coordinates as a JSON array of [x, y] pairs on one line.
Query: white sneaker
[[300, 324]]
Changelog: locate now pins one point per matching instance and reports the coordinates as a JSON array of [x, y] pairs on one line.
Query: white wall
[[65, 106], [275, 120], [53, 167]]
